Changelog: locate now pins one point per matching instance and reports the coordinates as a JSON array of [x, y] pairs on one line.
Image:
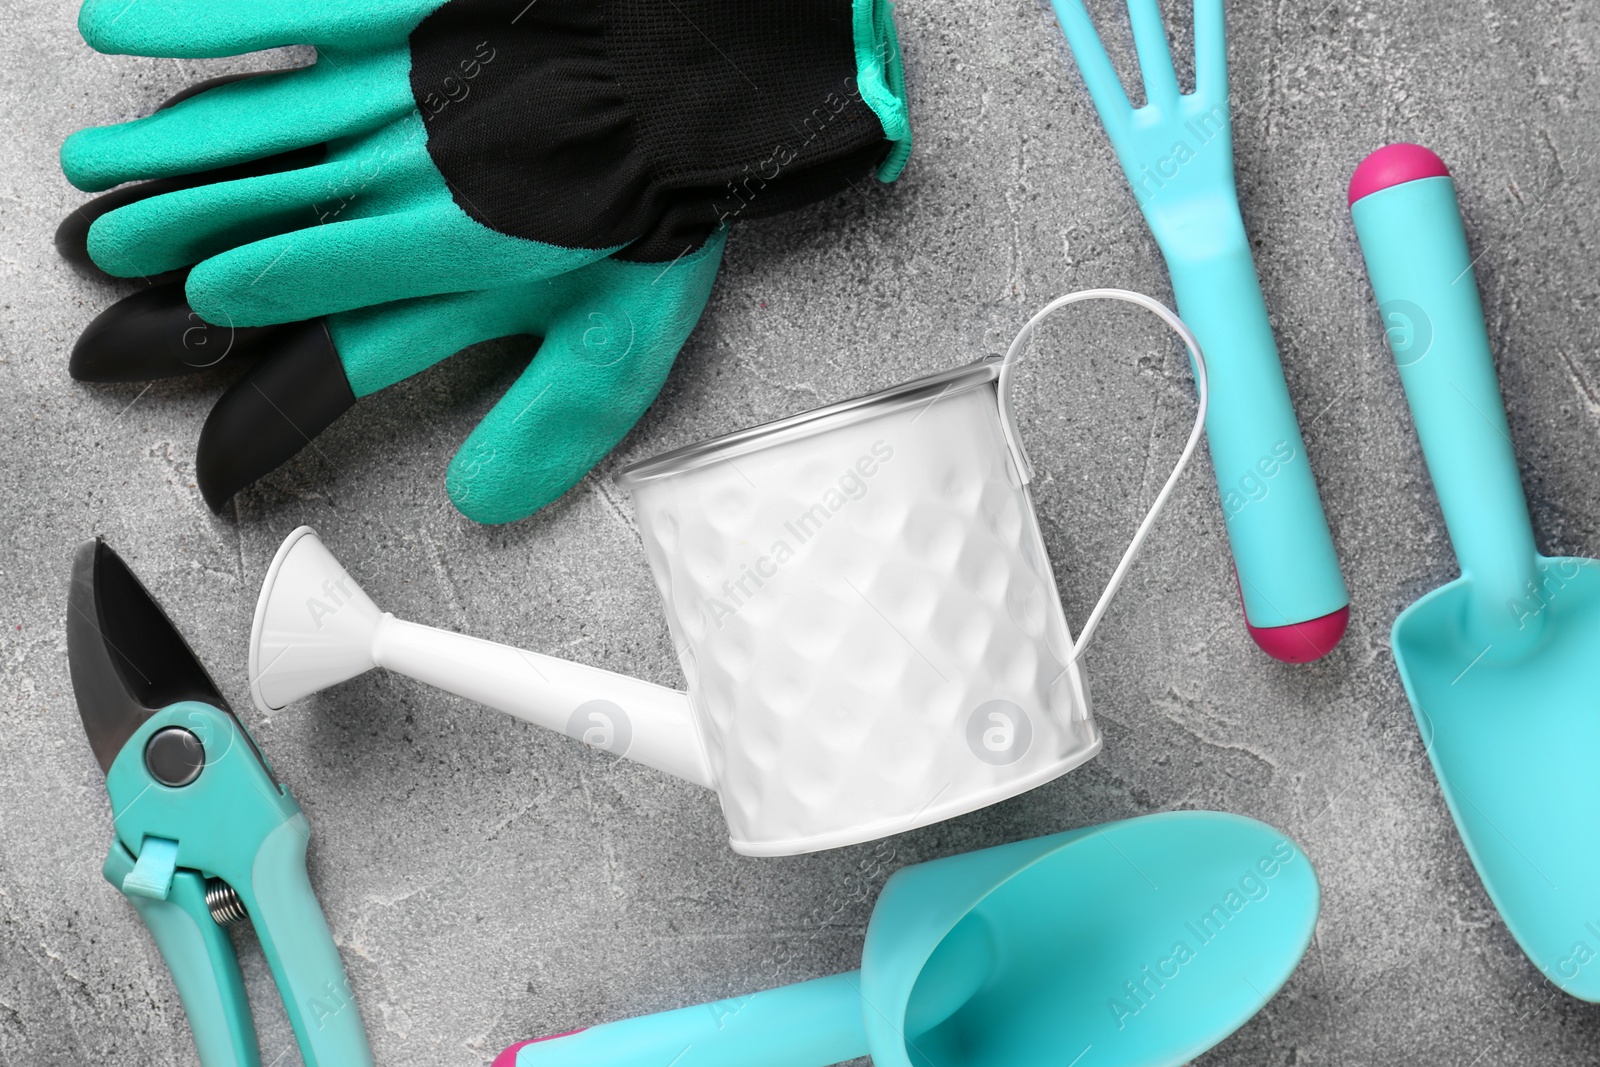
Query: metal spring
[[225, 906]]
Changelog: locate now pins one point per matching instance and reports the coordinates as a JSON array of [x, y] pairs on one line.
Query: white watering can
[[862, 603]]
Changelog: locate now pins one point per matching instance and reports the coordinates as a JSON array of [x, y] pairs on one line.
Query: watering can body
[[864, 611], [860, 597], [866, 616]]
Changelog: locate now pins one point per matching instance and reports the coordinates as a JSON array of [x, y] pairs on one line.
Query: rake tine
[[1210, 51], [1155, 57], [1105, 89]]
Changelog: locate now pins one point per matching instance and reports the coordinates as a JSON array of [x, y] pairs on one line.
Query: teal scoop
[[1502, 665], [1142, 942]]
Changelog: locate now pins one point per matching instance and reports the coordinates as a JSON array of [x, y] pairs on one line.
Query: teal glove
[[611, 332], [489, 167]]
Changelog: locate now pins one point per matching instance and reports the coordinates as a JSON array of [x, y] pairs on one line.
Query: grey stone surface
[[488, 882]]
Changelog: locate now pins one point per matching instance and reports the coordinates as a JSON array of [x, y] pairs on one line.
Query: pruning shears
[[204, 834]]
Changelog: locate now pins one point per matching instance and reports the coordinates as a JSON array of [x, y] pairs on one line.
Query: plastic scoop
[[1502, 665], [1140, 942]]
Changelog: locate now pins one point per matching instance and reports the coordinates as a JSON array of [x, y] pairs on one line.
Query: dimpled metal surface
[[869, 625]]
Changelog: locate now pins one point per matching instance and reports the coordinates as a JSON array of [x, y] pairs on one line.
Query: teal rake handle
[[1177, 153], [1409, 224]]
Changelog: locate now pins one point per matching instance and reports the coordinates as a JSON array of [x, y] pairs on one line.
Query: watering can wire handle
[[1013, 438]]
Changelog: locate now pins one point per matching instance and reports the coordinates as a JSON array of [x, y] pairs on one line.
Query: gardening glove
[[449, 172], [610, 332]]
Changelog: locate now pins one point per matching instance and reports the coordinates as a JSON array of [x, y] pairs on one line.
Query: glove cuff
[[642, 125], [881, 80]]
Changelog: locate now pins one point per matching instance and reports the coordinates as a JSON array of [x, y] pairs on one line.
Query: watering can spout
[[315, 627]]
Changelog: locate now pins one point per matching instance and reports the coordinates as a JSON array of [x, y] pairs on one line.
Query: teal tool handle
[[235, 823], [1282, 548], [810, 1024], [200, 957], [300, 950], [1177, 153], [1416, 251]]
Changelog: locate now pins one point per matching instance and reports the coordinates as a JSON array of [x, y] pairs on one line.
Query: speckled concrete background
[[488, 881]]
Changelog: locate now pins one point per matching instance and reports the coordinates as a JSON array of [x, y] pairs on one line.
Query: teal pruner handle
[[810, 1024], [300, 950], [1282, 548], [235, 823], [200, 957], [1409, 224]]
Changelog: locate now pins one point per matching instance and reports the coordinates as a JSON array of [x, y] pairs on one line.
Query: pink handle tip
[[508, 1058], [1394, 165], [1302, 642]]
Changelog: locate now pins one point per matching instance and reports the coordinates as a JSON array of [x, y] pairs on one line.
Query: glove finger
[[207, 84], [196, 29], [191, 224], [314, 371], [243, 120], [155, 334], [359, 262], [72, 236], [272, 412], [382, 345], [601, 365]]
